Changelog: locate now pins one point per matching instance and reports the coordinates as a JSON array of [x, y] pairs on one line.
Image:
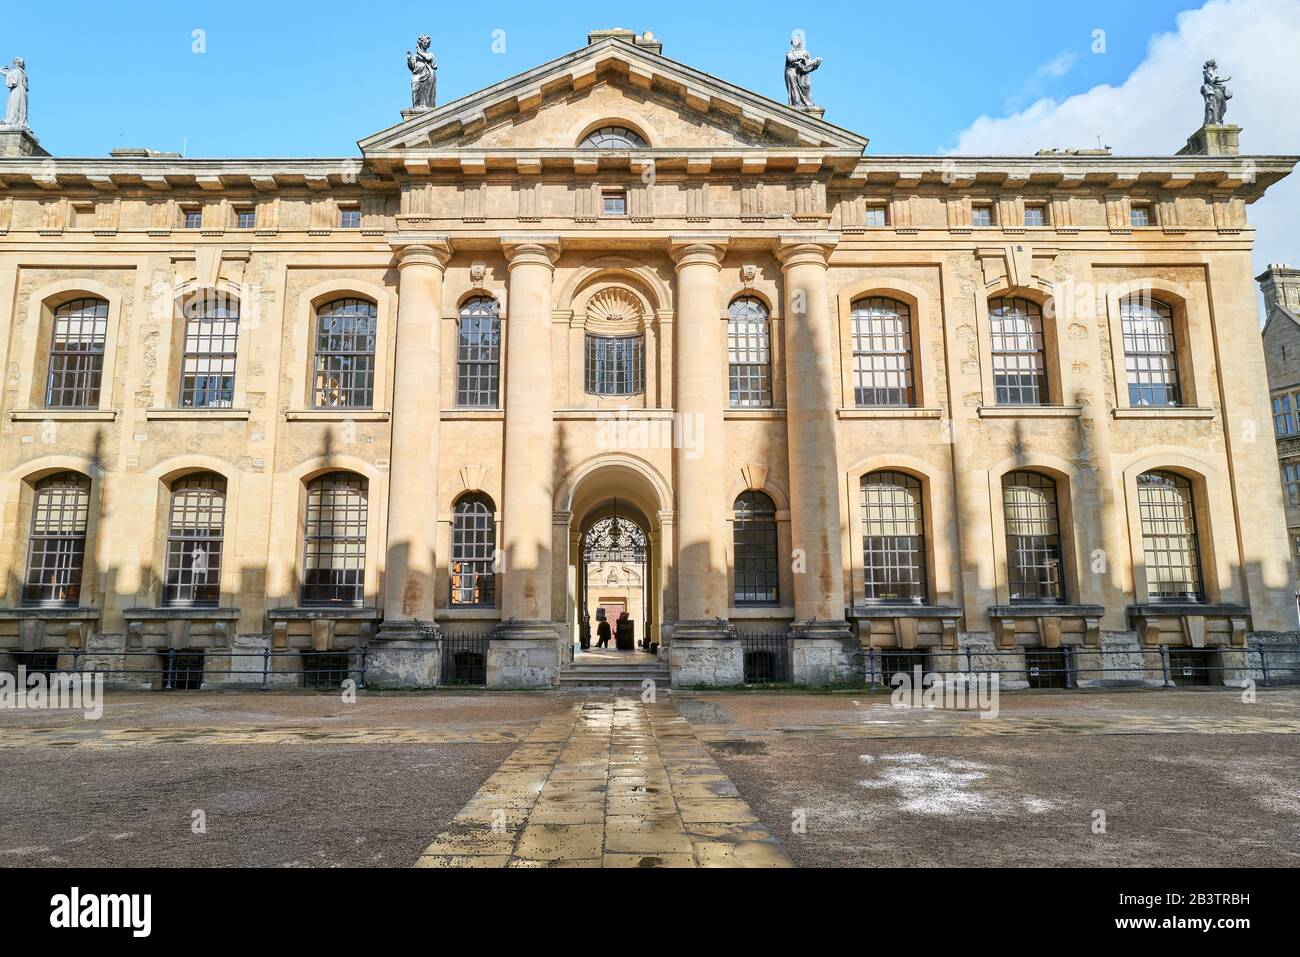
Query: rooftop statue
[[799, 65], [16, 79], [424, 78], [1216, 93]]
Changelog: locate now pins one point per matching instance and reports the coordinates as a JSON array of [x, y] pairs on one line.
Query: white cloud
[[1059, 65], [1257, 43]]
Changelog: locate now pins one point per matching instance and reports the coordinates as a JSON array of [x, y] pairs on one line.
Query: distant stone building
[[883, 404], [1281, 287]]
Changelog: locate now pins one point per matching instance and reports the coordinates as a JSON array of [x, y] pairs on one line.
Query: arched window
[[749, 354], [615, 365], [473, 549], [1150, 352], [76, 366], [613, 138], [1169, 539], [756, 574], [893, 538], [334, 550], [478, 354], [211, 342], [345, 354], [882, 353], [1019, 352], [195, 529], [1033, 524], [56, 551]]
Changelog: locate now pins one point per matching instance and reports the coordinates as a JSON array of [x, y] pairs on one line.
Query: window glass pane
[[57, 547], [334, 560], [615, 204], [882, 353], [195, 529], [473, 548], [612, 138], [1035, 216], [756, 574], [1283, 420], [211, 338], [1019, 352], [1173, 561], [615, 365], [349, 218], [749, 354], [478, 354], [981, 215], [1150, 356], [1140, 216], [76, 367], [877, 216], [1033, 537], [893, 538], [345, 354]]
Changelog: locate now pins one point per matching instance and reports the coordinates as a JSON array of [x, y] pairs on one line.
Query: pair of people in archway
[[604, 633]]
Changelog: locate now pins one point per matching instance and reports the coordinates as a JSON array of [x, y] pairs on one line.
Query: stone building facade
[[1280, 285], [886, 403]]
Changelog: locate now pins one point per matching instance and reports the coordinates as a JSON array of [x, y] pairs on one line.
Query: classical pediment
[[549, 109]]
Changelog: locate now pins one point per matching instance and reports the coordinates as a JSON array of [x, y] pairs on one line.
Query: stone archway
[[594, 496]]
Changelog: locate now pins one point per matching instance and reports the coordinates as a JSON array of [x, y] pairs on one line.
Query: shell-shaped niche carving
[[614, 310]]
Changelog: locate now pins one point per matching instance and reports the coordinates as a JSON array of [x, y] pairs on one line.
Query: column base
[[824, 653], [704, 654], [526, 654], [405, 655]]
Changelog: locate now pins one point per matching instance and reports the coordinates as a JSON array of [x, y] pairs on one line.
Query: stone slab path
[[608, 782]]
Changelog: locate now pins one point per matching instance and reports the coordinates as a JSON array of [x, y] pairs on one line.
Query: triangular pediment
[[551, 107]]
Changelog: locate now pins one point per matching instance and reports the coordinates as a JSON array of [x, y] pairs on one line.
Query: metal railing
[[464, 659], [188, 669], [767, 657], [1067, 666]]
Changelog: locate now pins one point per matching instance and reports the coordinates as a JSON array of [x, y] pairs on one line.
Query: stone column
[[527, 650], [824, 650], [410, 565], [700, 645], [700, 451]]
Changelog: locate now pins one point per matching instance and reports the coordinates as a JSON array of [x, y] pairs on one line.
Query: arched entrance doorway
[[617, 550], [613, 583]]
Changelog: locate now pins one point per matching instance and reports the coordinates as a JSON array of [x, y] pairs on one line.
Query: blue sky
[[277, 80]]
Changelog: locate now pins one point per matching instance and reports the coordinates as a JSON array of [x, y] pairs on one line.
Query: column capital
[[420, 249], [797, 249], [538, 250], [697, 250]]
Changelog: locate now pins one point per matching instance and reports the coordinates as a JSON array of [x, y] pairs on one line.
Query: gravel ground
[[1184, 778], [281, 805], [954, 799]]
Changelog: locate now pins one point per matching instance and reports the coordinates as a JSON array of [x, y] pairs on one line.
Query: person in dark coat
[[602, 629], [624, 638]]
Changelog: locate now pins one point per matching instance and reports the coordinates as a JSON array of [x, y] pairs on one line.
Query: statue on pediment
[[1216, 93], [16, 80], [799, 65], [424, 77]]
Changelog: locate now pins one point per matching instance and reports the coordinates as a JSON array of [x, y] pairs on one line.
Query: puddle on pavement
[[703, 712]]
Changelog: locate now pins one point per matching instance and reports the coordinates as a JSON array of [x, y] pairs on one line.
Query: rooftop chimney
[[1280, 285]]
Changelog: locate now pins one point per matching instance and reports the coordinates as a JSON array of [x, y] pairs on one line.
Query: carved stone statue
[[424, 77], [16, 81], [1216, 93], [799, 65]]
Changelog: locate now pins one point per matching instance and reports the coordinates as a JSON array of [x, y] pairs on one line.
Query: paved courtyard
[[745, 779]]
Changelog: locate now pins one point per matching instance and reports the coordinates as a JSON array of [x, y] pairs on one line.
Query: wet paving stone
[[611, 783]]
